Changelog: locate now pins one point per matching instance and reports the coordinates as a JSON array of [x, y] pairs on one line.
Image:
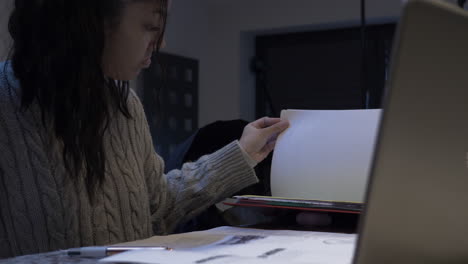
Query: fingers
[[270, 125], [269, 146], [265, 122], [277, 128]]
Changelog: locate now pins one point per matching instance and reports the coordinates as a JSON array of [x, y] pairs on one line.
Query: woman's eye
[[152, 28]]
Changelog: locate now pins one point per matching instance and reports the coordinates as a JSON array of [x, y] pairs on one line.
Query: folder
[[296, 204], [321, 162]]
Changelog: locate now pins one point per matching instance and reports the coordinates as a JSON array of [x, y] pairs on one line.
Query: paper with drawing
[[240, 245]]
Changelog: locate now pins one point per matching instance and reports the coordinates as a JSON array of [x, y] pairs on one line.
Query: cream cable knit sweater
[[41, 209]]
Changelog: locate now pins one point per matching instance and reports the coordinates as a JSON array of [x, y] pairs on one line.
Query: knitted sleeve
[[182, 194]]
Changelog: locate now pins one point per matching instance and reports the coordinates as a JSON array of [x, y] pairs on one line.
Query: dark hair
[[56, 56]]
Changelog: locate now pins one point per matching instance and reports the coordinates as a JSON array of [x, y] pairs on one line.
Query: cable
[[365, 90]]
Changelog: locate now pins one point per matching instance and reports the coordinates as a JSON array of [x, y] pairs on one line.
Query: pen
[[99, 252]]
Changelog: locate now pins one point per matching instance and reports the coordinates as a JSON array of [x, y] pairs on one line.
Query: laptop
[[417, 197]]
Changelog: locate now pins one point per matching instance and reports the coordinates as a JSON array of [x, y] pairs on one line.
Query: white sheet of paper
[[255, 247], [324, 154]]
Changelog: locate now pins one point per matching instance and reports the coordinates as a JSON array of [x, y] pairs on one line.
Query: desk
[[190, 239]]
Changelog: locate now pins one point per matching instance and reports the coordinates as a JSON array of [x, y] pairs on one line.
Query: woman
[[77, 166]]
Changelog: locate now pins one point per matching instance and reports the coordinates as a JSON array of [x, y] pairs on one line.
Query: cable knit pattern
[[42, 209]]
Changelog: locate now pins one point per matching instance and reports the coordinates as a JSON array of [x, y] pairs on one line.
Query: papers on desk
[[242, 245], [324, 155]]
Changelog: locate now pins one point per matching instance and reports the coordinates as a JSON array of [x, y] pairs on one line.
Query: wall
[[220, 33]]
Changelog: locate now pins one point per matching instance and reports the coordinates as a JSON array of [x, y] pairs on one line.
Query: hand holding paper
[[259, 137]]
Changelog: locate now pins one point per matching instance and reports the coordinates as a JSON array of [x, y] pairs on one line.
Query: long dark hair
[[56, 56]]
